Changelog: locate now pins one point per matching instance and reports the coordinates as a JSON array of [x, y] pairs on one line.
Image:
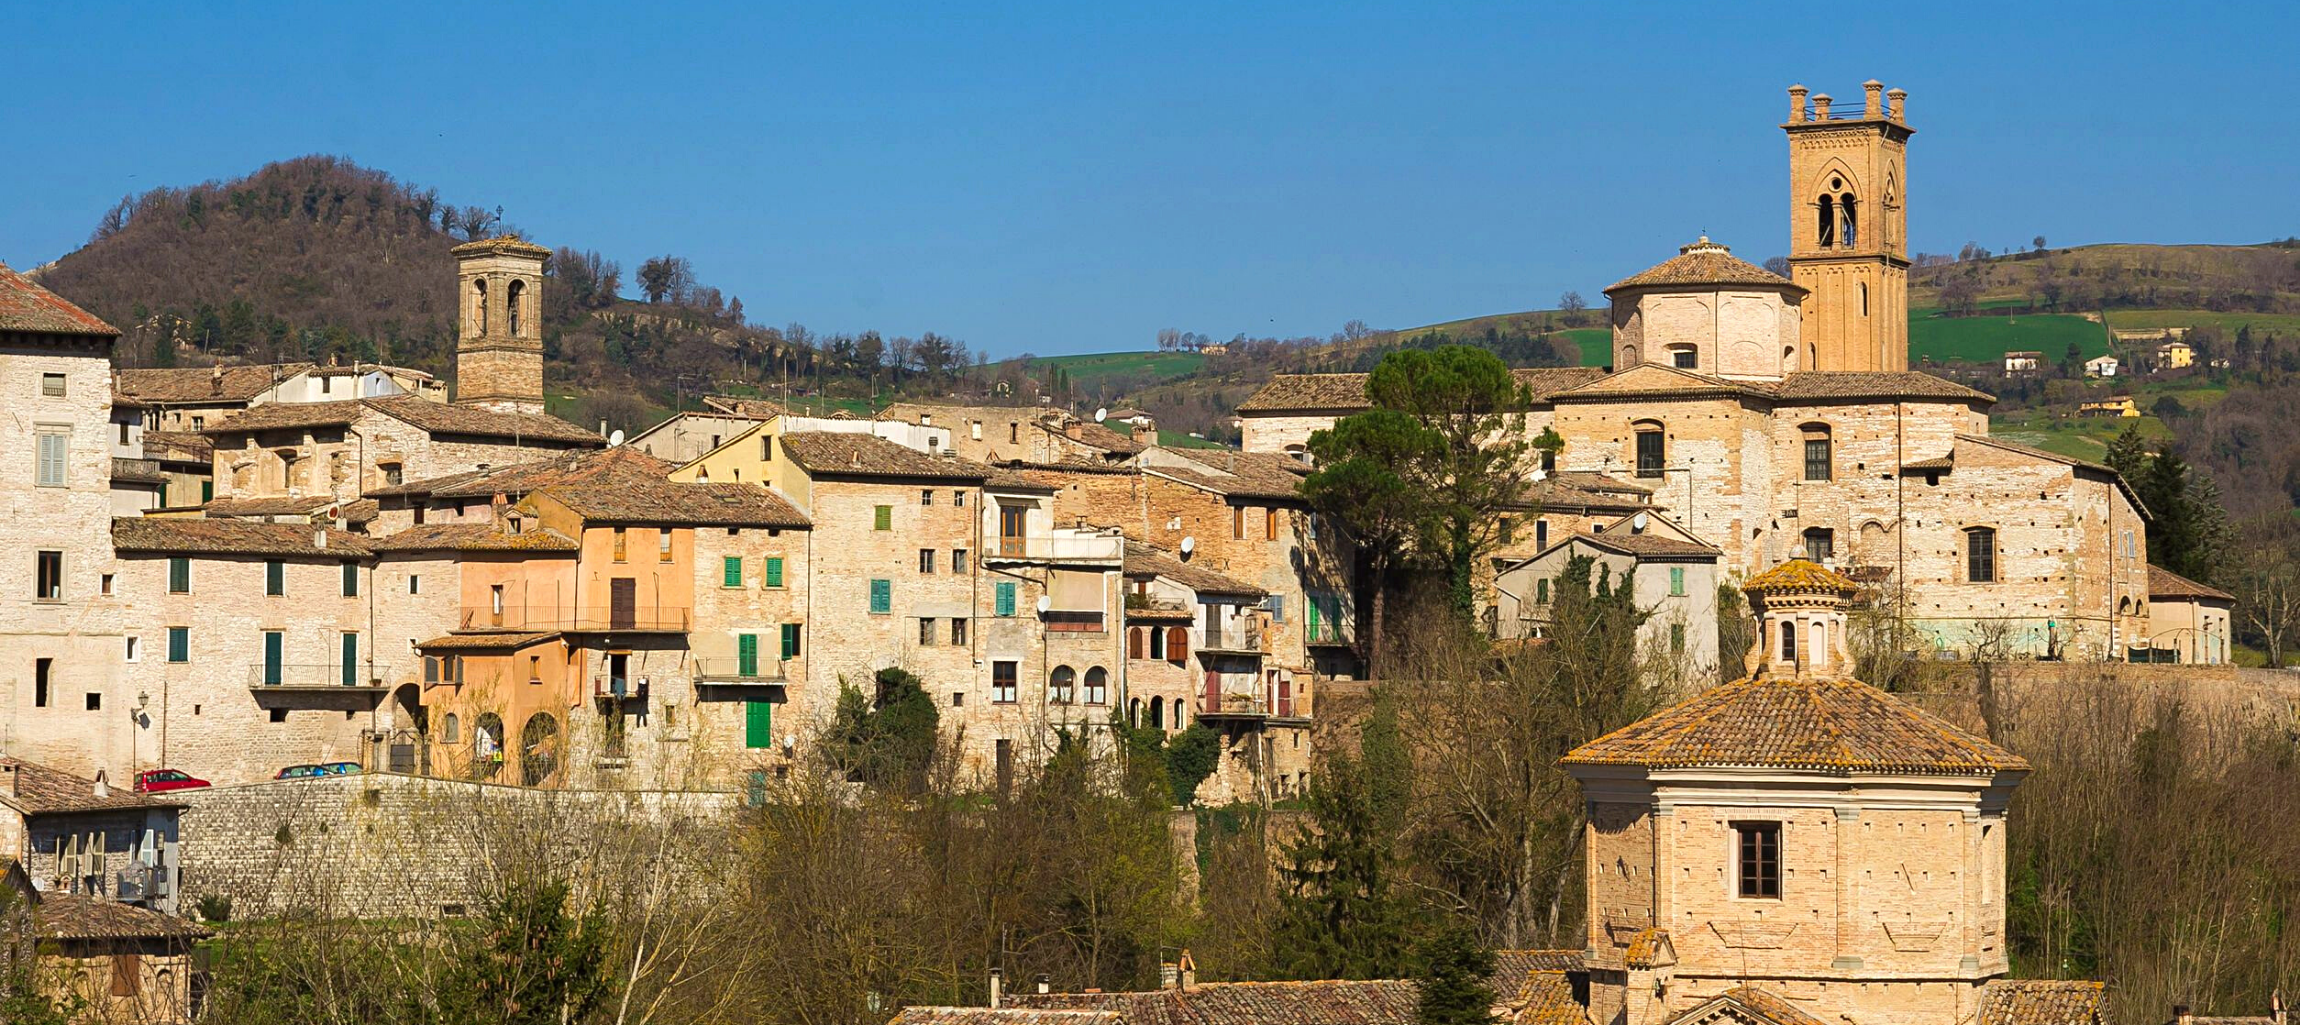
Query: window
[[275, 577], [1177, 645], [179, 575], [958, 560], [1981, 555], [747, 655], [50, 445], [731, 571], [495, 598], [926, 631], [414, 584], [926, 496], [451, 731], [275, 644], [1005, 606], [1677, 581], [926, 560], [1677, 638], [179, 644], [1157, 643], [1759, 858], [351, 580], [766, 448], [1013, 523], [790, 640], [662, 546], [1060, 684], [1002, 682], [1541, 591], [1238, 522], [48, 571], [1540, 534], [1685, 357], [882, 517], [1788, 641], [758, 724], [393, 474], [350, 660], [1270, 523], [43, 677], [1821, 544], [52, 385], [199, 423], [1818, 457], [124, 425], [95, 701], [135, 651], [958, 498], [1649, 450], [1097, 686], [622, 544], [104, 585], [1508, 528], [881, 596]]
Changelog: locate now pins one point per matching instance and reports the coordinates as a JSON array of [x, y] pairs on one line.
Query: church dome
[[1703, 263]]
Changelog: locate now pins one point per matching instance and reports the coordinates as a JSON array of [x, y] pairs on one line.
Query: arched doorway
[[538, 749], [486, 746]]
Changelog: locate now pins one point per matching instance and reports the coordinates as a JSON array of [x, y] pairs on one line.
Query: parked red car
[[153, 781]]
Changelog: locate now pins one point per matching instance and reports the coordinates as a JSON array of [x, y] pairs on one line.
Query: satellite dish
[[1637, 523], [1101, 413], [1045, 602], [1189, 544], [615, 438]]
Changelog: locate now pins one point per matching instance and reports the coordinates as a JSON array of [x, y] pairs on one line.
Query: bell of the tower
[[499, 341], [1848, 220]]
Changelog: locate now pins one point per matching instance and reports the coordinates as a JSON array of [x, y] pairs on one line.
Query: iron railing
[[282, 676], [578, 619], [733, 669]]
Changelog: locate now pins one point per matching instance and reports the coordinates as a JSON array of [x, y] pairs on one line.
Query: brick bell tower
[[499, 342], [1848, 228]]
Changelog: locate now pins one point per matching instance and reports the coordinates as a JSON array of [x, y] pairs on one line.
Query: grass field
[[1090, 369], [1987, 339], [1596, 344], [2286, 324]]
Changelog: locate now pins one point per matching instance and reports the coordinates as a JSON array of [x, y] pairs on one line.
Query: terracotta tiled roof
[[838, 454], [1937, 464], [1147, 560], [1536, 986], [1346, 393], [668, 503], [1647, 949], [752, 409], [1002, 1016], [1648, 545], [1097, 436], [1237, 474], [486, 640], [1012, 478], [136, 471], [186, 536], [2033, 451], [472, 537], [178, 446], [511, 245], [2040, 1002], [358, 510], [517, 480], [1831, 726], [434, 417], [160, 386], [80, 916], [30, 309], [1838, 385], [2164, 583], [1769, 1005], [41, 790], [1705, 263], [1802, 575], [1323, 1002]]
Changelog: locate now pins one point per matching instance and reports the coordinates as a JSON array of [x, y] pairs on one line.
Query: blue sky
[[1049, 177]]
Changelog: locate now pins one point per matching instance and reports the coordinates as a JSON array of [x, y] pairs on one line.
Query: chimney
[[1820, 106], [1896, 101], [2181, 1015], [319, 538], [1043, 987], [2276, 1006], [1188, 966], [997, 986], [1872, 99], [602, 427], [103, 786], [216, 380], [1169, 975], [1797, 104]]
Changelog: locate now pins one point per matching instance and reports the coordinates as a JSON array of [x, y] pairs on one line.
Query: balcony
[[577, 619], [1072, 621], [1070, 547], [1235, 641], [739, 679], [357, 677], [1251, 707]]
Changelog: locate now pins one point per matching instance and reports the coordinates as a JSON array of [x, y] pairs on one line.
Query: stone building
[[2187, 620], [1832, 449], [121, 963], [1671, 575], [345, 449], [499, 346], [1001, 434], [1798, 846], [76, 834]]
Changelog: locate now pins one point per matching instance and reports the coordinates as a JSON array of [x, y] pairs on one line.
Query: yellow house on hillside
[[2121, 405], [2174, 355]]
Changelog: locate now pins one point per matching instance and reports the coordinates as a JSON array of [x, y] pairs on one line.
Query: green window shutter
[[882, 596], [1006, 598], [790, 640], [1677, 580], [758, 724], [748, 661], [275, 577], [179, 575], [351, 580], [351, 660], [774, 571], [1312, 609], [274, 642], [179, 644], [883, 518], [731, 571]]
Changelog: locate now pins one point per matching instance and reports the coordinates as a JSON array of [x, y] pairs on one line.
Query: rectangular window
[[414, 584], [881, 596], [124, 432], [48, 572], [43, 679], [351, 580], [774, 571], [1238, 522], [758, 725], [1002, 677], [926, 631], [104, 585], [1541, 533], [199, 423], [135, 648], [535, 670], [350, 660], [662, 546], [1541, 591], [882, 517], [1013, 522], [926, 496], [747, 655], [179, 575], [766, 448], [1677, 581], [1677, 638], [275, 644], [1759, 858], [958, 632], [958, 560], [1270, 523], [731, 571], [50, 446], [208, 494], [790, 641], [1821, 544], [1817, 461], [622, 544], [1685, 359], [179, 644], [1981, 555], [1277, 607], [52, 385], [275, 577], [958, 498], [1649, 453], [1005, 603], [926, 560]]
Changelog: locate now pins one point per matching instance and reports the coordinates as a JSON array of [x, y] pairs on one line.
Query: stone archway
[[539, 743]]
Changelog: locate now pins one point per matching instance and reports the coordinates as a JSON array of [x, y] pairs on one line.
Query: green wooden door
[[747, 662], [758, 724], [274, 643]]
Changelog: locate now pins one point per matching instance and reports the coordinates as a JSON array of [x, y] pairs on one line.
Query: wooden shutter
[[747, 663], [51, 456], [351, 580], [774, 571], [274, 643], [882, 596], [179, 575], [1006, 598], [1177, 645], [351, 660], [790, 641], [882, 517], [623, 603], [731, 571], [1134, 643], [275, 577], [758, 724], [179, 644]]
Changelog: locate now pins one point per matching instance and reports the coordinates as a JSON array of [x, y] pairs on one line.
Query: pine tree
[[2128, 454], [1454, 970], [1341, 916]]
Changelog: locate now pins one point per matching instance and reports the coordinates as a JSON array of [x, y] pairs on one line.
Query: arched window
[[1060, 685], [1788, 359], [1827, 227], [1157, 713], [479, 299], [1097, 686], [1134, 712], [1788, 640], [511, 303], [1981, 555], [1820, 453], [451, 732], [1848, 215], [1157, 643], [1652, 450], [1298, 453], [486, 746], [1135, 648], [1177, 645]]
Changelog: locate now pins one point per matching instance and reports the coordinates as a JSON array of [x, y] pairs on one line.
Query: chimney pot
[[1896, 102], [997, 987], [1797, 95], [103, 786], [1821, 106], [1872, 102]]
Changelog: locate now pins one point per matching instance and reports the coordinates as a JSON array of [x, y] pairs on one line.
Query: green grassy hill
[[1981, 339], [1091, 370]]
